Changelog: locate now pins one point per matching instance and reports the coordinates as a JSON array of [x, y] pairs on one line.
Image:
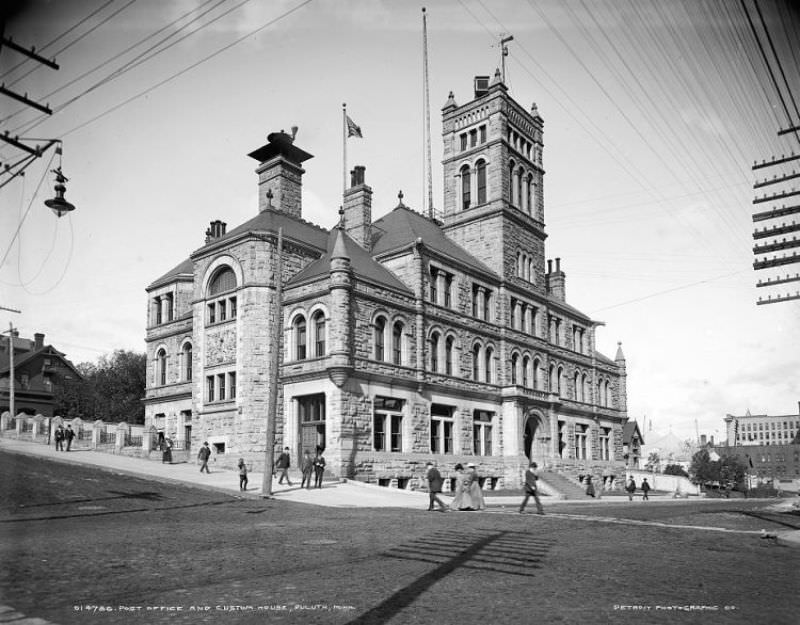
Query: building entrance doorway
[[535, 448], [311, 412]]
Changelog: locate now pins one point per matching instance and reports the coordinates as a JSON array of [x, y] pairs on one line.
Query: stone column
[[122, 430]]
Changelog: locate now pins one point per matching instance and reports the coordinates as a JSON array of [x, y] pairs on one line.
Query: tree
[[111, 390], [653, 462], [723, 470], [675, 469]]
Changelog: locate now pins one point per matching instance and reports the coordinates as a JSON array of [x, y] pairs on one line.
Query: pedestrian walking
[[531, 489], [282, 463], [307, 467], [166, 454], [59, 436], [470, 496], [435, 483], [242, 474], [645, 490], [69, 435], [319, 468], [589, 486], [202, 456], [631, 488]]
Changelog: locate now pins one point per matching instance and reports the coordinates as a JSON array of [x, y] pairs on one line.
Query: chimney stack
[[38, 341], [280, 173], [216, 230], [556, 281], [357, 209]]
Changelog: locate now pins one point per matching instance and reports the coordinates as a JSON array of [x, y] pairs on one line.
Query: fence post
[[122, 430], [97, 428], [4, 418], [20, 422]]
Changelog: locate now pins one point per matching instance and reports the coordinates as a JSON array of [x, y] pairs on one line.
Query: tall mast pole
[[504, 54], [427, 114], [275, 361], [344, 147]]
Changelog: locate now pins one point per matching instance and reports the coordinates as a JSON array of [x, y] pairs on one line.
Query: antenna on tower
[[504, 53], [426, 107]]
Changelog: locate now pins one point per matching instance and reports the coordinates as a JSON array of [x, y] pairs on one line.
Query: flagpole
[[344, 147]]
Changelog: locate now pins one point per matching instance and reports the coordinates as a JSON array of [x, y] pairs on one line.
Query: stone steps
[[561, 486]]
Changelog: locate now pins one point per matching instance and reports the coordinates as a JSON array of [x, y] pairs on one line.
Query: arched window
[[488, 364], [586, 390], [609, 399], [397, 343], [466, 182], [187, 361], [511, 187], [380, 329], [435, 351], [449, 355], [319, 333], [536, 375], [300, 337], [526, 363], [560, 381], [578, 387], [514, 365], [476, 361], [224, 280], [529, 197], [519, 187], [161, 360], [480, 171]]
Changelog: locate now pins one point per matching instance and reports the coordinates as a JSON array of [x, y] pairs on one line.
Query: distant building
[[39, 371], [632, 445], [762, 430], [405, 339]]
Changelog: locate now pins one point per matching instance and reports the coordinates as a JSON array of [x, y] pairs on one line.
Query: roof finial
[[400, 197], [341, 218], [269, 198]]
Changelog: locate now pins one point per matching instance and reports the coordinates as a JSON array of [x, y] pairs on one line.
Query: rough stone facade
[[401, 340]]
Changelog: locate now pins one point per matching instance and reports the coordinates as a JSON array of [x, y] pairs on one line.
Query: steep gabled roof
[[184, 269], [21, 361], [628, 430], [402, 226], [363, 265], [270, 220]]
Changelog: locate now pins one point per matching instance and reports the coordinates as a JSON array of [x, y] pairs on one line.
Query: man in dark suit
[[435, 483]]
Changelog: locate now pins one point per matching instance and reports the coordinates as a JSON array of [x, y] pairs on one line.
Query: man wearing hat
[[531, 477], [435, 483], [203, 455]]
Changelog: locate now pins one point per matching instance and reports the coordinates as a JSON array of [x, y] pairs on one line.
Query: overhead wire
[[58, 38]]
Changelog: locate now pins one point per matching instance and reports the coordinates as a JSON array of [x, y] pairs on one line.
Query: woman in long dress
[[472, 485], [458, 491]]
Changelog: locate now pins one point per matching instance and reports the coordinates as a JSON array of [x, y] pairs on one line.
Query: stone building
[[762, 429], [405, 338]]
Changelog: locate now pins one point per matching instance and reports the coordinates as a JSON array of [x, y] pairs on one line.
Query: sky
[[654, 113]]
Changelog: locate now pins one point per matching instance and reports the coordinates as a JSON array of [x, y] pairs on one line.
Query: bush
[[675, 469]]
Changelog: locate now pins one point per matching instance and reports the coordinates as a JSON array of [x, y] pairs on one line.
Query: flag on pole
[[353, 130]]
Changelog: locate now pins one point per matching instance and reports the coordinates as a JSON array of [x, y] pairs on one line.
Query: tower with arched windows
[[493, 200]]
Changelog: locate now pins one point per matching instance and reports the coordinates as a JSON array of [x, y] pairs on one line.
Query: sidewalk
[[336, 494]]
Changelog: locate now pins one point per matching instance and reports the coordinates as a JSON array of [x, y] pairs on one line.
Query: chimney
[[280, 174], [38, 341], [216, 230], [357, 209], [481, 86], [556, 281]]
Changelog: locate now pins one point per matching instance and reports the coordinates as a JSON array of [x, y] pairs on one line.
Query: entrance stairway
[[561, 487]]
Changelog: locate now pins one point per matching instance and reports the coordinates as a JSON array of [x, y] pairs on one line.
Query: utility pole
[[504, 54], [272, 404], [11, 332]]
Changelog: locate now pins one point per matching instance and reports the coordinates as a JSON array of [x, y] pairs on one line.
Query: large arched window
[[528, 194], [536, 375], [397, 343], [449, 355], [224, 280], [161, 367], [480, 173], [488, 364], [187, 361], [526, 373], [578, 387], [466, 182], [514, 365], [476, 361], [319, 333], [380, 340], [512, 199], [300, 337], [435, 340], [560, 381]]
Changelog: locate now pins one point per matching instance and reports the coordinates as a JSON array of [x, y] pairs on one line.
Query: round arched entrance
[[533, 444]]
